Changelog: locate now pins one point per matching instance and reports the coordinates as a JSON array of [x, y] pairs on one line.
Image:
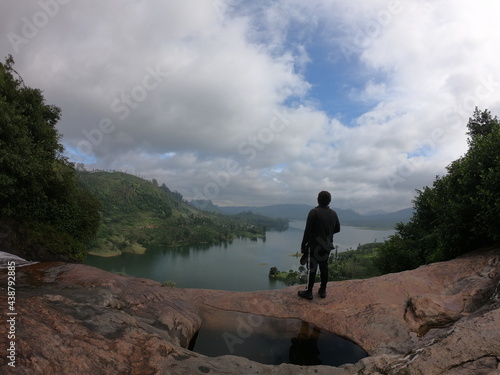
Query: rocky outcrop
[[442, 318]]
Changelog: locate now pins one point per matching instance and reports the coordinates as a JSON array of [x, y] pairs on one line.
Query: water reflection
[[304, 350], [240, 265], [271, 340]]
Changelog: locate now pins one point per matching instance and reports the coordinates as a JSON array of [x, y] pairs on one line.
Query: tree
[[480, 125], [460, 212], [44, 213]]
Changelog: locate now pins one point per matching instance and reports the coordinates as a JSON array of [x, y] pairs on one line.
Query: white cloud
[[222, 88]]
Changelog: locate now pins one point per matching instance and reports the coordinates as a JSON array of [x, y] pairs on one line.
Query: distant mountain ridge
[[346, 216]]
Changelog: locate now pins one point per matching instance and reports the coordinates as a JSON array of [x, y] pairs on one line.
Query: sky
[[263, 102]]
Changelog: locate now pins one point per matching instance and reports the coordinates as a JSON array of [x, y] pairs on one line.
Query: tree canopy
[[44, 213], [460, 212]]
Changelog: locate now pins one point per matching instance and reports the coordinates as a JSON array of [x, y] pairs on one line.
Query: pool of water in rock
[[272, 341]]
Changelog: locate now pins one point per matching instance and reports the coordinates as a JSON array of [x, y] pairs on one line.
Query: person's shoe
[[305, 294], [322, 292]]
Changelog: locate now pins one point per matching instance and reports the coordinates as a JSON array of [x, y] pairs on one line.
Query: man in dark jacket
[[322, 223]]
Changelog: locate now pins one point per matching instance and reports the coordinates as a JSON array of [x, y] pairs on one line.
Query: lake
[[241, 265]]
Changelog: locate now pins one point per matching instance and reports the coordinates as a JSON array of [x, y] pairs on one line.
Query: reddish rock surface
[[442, 318]]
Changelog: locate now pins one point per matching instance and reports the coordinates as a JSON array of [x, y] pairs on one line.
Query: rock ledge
[[443, 318]]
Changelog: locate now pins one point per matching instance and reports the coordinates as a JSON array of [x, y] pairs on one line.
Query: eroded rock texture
[[442, 318]]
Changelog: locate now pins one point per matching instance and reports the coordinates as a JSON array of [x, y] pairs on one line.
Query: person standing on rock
[[322, 223]]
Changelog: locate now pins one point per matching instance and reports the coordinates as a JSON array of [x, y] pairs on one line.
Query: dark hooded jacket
[[322, 223]]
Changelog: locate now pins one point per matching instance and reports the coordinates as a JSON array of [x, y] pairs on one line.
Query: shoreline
[[109, 253], [140, 249]]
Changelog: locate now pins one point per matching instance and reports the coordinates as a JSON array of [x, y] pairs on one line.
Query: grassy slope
[[137, 213]]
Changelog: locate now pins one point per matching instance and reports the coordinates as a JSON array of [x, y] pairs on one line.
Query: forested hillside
[[49, 211], [137, 213]]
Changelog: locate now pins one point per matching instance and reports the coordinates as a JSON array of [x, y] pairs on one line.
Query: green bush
[[460, 212]]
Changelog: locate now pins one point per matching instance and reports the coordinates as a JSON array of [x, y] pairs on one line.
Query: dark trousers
[[319, 258]]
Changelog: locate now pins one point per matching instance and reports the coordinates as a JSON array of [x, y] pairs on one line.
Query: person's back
[[322, 223], [326, 224]]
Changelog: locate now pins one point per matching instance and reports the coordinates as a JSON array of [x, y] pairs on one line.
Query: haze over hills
[[300, 211]]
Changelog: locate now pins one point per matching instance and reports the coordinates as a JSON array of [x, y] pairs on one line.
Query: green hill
[[137, 213]]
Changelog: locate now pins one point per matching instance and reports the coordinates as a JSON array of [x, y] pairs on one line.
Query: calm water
[[272, 341], [242, 265]]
